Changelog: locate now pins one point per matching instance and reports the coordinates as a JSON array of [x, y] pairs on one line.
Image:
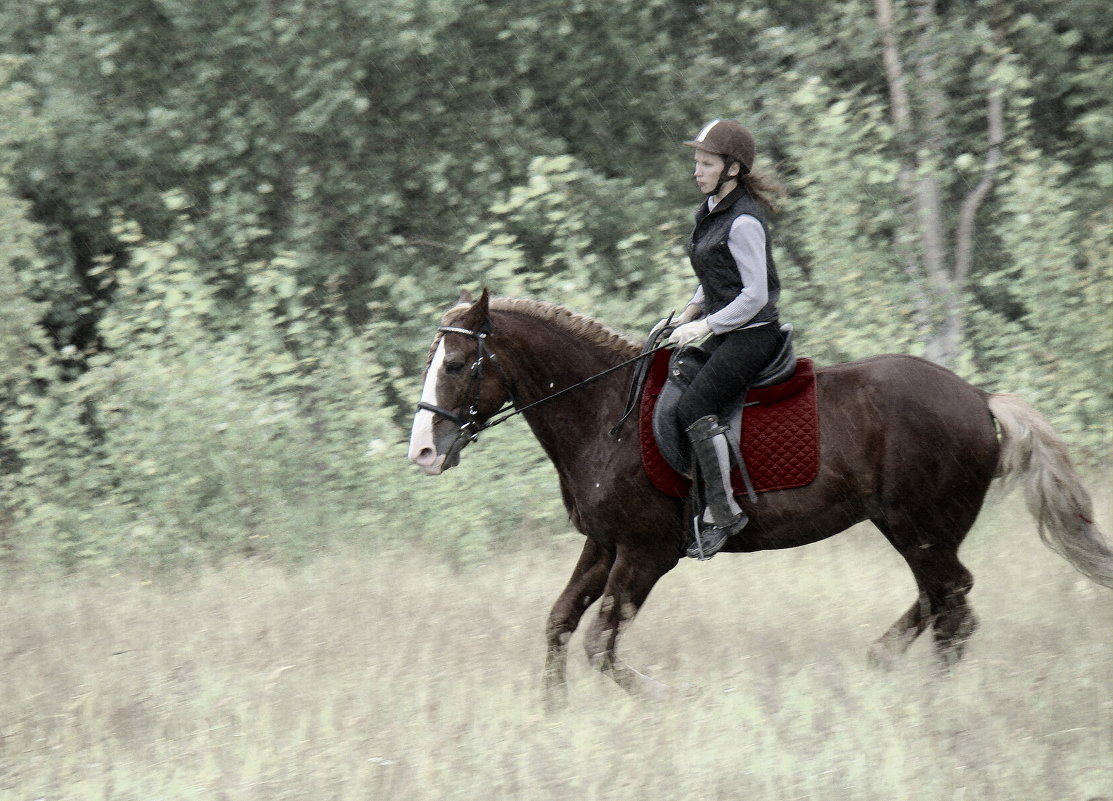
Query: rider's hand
[[691, 312], [668, 322], [690, 333]]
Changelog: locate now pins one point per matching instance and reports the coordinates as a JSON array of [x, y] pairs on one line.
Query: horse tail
[[1034, 454]]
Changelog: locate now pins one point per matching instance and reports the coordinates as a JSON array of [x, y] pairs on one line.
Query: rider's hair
[[764, 186]]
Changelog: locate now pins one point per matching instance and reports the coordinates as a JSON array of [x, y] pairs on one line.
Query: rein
[[469, 424]]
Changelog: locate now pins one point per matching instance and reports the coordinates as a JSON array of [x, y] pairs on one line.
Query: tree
[[26, 356], [938, 272]]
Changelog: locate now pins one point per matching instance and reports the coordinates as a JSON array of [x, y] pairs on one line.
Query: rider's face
[[709, 166]]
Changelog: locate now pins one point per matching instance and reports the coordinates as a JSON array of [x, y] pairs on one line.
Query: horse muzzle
[[433, 463], [430, 462], [436, 452]]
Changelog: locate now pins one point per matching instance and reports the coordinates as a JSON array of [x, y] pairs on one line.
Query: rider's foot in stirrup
[[710, 539]]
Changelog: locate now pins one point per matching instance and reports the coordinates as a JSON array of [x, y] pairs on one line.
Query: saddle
[[777, 438], [683, 366]]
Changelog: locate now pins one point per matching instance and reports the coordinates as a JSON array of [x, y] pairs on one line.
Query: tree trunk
[[938, 277], [900, 108]]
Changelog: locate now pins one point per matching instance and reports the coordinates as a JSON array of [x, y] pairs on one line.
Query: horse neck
[[541, 358]]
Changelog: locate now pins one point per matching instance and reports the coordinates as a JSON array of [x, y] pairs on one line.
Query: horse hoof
[[554, 700], [880, 657]]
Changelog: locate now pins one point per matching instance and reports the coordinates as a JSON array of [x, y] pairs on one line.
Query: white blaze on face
[[423, 449]]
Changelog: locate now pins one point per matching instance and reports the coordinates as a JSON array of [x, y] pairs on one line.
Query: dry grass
[[396, 678]]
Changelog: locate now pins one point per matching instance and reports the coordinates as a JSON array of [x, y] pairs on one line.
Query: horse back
[[900, 423]]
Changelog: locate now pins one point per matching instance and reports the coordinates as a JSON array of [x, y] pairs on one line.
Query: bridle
[[468, 423]]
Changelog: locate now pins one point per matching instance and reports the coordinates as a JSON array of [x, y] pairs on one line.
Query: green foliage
[[187, 439], [193, 437], [229, 228], [27, 360], [1059, 286], [844, 286], [571, 235]]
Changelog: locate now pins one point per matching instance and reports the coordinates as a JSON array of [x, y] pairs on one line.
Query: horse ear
[[465, 298], [474, 315]]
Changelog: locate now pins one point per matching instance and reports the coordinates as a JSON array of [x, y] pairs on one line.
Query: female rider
[[733, 312]]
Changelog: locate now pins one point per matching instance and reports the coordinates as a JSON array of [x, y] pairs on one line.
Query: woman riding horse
[[733, 312], [904, 444]]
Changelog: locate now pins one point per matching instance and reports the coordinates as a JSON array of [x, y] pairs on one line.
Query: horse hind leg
[[900, 636], [954, 622], [943, 584]]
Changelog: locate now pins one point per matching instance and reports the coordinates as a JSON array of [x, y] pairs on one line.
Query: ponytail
[[764, 187]]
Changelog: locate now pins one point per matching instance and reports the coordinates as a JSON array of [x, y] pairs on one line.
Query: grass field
[[386, 677]]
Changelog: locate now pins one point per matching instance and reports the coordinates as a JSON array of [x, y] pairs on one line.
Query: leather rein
[[469, 423]]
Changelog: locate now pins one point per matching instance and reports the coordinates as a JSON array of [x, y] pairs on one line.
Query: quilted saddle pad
[[780, 433]]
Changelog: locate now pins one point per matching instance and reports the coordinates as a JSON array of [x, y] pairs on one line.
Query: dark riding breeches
[[736, 359]]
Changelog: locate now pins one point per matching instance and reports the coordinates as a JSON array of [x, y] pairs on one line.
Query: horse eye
[[453, 368]]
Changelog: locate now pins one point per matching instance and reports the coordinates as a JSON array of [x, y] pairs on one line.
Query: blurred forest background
[[228, 229]]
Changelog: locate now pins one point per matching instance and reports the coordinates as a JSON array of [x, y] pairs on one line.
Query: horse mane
[[579, 325]]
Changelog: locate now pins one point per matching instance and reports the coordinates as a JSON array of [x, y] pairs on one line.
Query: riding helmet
[[729, 139]]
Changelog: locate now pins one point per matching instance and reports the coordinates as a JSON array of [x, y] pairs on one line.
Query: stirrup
[[708, 540]]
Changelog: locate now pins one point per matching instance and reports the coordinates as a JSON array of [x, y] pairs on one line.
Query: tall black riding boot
[[711, 460]]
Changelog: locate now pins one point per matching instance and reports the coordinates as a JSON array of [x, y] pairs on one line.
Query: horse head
[[464, 387]]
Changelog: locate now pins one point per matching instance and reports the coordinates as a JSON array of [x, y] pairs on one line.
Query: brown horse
[[905, 444]]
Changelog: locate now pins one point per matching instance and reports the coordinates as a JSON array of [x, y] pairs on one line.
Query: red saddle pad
[[780, 433]]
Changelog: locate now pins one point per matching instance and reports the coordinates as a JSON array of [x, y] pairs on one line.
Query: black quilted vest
[[712, 260]]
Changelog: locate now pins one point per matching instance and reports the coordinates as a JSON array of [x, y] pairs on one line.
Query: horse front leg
[[631, 578], [583, 589]]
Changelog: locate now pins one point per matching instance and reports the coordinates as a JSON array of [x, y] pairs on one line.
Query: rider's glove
[[690, 333], [668, 322]]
